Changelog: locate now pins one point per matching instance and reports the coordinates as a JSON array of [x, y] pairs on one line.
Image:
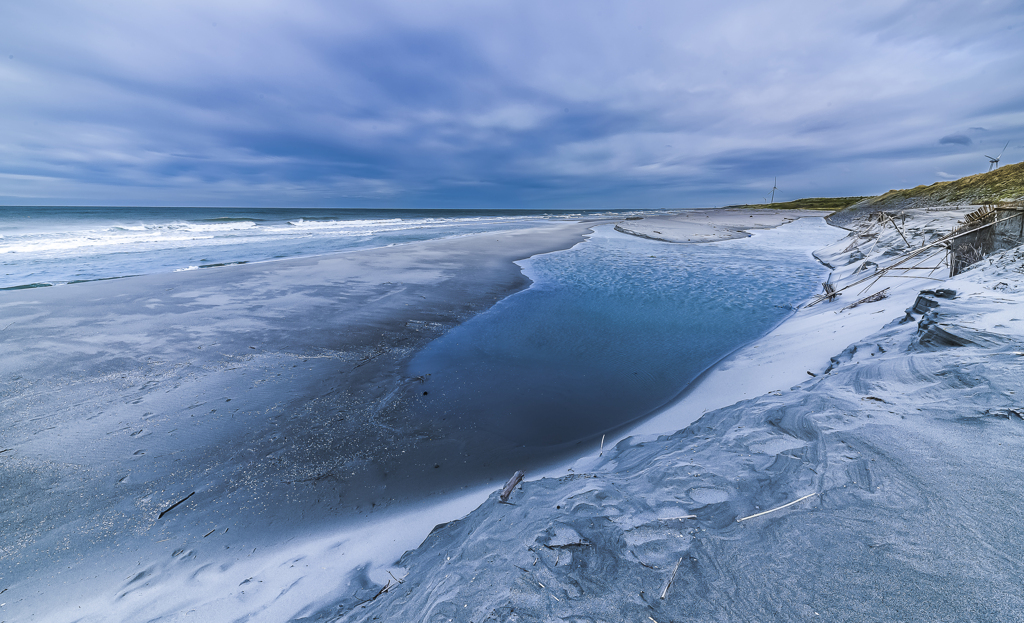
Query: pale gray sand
[[710, 225], [273, 391], [908, 445]]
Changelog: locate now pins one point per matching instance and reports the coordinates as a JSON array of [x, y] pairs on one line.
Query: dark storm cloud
[[603, 104], [955, 139]]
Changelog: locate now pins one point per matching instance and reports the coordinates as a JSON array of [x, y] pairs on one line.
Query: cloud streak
[[572, 104]]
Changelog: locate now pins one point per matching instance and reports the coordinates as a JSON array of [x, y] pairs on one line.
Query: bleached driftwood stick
[[680, 517], [602, 446], [175, 505], [671, 579], [900, 232], [772, 510], [511, 485]]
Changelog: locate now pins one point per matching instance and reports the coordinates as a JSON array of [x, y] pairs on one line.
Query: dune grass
[[1003, 185], [830, 204]]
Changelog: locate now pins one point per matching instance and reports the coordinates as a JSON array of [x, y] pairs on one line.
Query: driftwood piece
[[942, 242], [671, 579], [877, 296], [510, 486], [175, 505], [830, 290], [777, 508], [383, 590], [900, 232]]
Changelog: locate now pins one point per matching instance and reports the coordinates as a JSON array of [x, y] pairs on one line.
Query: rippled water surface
[[615, 328]]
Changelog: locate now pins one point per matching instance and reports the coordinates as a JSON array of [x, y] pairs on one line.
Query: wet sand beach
[[273, 391], [154, 420]]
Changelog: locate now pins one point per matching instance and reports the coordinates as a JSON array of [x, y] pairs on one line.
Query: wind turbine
[[775, 186], [993, 163]]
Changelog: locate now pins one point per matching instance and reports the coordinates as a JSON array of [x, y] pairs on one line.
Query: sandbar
[[709, 225]]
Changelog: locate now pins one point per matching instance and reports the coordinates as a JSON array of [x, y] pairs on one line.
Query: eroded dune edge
[[903, 451]]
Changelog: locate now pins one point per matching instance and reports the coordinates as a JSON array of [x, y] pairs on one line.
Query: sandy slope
[[709, 225], [907, 445]]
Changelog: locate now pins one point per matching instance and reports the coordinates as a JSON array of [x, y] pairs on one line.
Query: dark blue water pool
[[615, 328]]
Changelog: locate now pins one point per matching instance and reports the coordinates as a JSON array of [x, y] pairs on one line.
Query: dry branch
[[944, 241], [511, 485], [877, 296], [900, 232], [671, 579], [778, 508], [175, 505]]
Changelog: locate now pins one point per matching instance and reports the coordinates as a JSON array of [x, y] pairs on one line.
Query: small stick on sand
[[671, 579], [175, 505], [680, 517], [777, 508], [209, 533], [602, 446], [382, 590], [511, 485], [900, 232], [873, 298]]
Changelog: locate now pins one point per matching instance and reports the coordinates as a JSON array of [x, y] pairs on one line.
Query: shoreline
[[265, 388], [898, 437], [314, 536]]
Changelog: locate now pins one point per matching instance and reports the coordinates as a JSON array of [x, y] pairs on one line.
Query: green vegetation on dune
[[811, 203], [1005, 184]]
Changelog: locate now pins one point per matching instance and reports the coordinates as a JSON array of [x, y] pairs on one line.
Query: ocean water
[[43, 246], [615, 328]]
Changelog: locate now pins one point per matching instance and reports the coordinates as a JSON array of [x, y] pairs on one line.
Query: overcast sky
[[524, 103]]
